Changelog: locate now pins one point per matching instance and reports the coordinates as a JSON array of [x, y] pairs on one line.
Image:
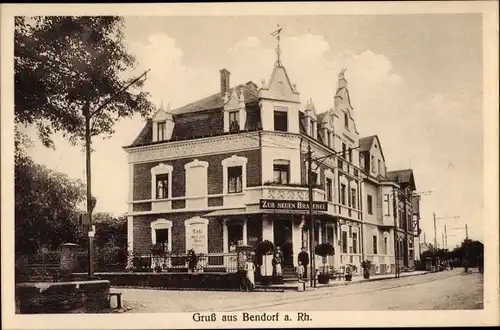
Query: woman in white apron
[[250, 268]]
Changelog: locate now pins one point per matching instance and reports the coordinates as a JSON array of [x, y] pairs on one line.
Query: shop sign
[[275, 204]]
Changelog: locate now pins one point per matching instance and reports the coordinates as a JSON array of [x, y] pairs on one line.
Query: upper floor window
[[344, 150], [369, 203], [234, 121], [162, 186], [314, 177], [346, 119], [349, 154], [160, 132], [353, 198], [235, 179], [375, 245], [387, 205], [379, 167], [281, 172], [313, 129], [372, 164], [280, 120], [329, 138], [342, 194], [386, 248], [329, 196]]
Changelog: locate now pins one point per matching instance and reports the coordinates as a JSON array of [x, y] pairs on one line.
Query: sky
[[414, 80]]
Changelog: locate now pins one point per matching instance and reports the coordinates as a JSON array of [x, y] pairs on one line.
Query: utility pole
[[394, 211], [87, 113], [312, 244]]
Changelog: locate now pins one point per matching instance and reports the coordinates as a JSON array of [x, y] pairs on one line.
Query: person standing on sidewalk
[[304, 259]]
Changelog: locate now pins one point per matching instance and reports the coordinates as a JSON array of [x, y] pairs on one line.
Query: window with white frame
[[369, 202], [379, 167], [161, 234], [329, 189], [196, 178], [344, 150], [387, 204], [234, 121], [328, 138], [343, 194], [281, 119], [235, 179], [373, 164], [353, 198], [161, 181], [313, 128], [281, 171], [386, 244], [355, 242], [375, 244], [344, 242], [234, 174], [160, 131]]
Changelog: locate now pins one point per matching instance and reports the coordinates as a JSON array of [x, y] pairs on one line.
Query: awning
[[223, 213]]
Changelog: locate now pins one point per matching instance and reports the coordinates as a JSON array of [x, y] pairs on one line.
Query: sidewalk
[[337, 282]]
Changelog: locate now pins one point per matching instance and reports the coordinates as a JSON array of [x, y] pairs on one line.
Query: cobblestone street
[[446, 290]]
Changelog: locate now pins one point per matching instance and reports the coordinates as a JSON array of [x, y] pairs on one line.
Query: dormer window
[[313, 128], [234, 121], [373, 164], [346, 120], [160, 131]]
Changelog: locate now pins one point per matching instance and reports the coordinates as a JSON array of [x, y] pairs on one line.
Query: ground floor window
[[344, 242], [355, 242], [162, 238], [234, 235]]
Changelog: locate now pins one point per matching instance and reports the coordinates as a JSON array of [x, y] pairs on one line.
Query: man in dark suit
[[304, 259]]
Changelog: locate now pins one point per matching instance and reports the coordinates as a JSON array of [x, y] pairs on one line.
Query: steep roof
[[402, 176], [216, 100], [365, 143]]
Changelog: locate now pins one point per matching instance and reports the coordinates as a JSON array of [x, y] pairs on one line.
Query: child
[[277, 265], [300, 272]]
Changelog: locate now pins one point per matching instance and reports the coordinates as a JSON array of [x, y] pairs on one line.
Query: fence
[[212, 262]]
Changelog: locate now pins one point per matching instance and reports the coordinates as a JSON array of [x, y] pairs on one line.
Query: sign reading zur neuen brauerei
[[274, 204]]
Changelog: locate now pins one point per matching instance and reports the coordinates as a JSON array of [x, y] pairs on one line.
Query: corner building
[[231, 168]]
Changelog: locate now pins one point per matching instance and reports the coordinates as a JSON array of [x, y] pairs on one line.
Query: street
[[447, 290]]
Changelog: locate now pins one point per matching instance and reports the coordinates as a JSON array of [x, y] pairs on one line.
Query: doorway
[[283, 238]]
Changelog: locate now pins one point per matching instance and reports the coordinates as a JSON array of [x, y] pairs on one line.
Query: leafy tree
[[45, 206], [64, 63]]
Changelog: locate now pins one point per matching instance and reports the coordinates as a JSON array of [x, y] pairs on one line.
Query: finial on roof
[[278, 50], [263, 82], [168, 107], [342, 72]]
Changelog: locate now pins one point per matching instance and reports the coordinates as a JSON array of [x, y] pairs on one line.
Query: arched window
[[161, 233]]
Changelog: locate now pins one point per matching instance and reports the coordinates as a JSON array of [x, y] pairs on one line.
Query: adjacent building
[[232, 169]]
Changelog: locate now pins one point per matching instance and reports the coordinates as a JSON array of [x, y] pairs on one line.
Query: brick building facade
[[204, 175]]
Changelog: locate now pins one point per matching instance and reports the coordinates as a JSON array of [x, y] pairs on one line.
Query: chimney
[[224, 82]]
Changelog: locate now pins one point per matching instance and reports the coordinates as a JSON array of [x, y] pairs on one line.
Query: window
[[280, 121], [162, 186], [344, 242], [353, 198], [386, 248], [379, 167], [234, 235], [373, 164], [355, 242], [162, 238], [234, 121], [281, 173], [375, 247], [342, 194], [350, 231], [346, 120], [160, 131], [370, 204], [349, 154], [329, 189], [387, 205], [235, 179], [313, 128], [314, 177], [344, 150], [328, 138]]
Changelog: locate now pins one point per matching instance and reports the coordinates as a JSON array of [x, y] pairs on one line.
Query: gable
[[279, 87]]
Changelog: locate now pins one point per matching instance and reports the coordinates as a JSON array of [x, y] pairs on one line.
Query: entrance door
[[283, 238]]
